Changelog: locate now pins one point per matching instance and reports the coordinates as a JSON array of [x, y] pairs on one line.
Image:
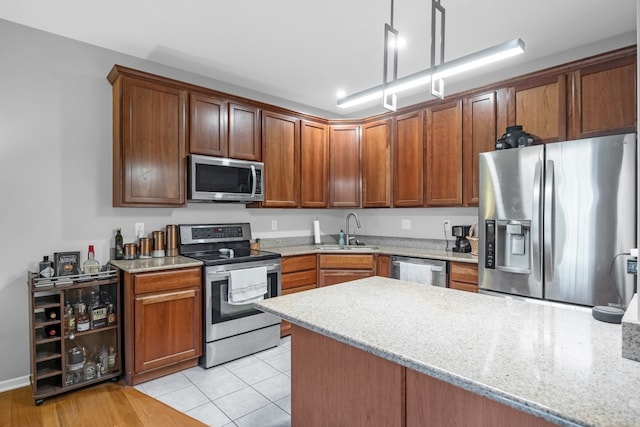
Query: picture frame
[[66, 263]]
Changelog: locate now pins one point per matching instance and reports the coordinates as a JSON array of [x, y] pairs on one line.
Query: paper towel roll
[[316, 232]]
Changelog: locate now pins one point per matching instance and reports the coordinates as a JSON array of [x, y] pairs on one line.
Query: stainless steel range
[[233, 328]]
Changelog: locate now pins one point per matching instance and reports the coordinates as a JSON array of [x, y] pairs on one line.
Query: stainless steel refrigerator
[[555, 220]]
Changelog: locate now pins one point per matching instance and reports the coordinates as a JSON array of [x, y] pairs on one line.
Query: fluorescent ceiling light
[[447, 69]]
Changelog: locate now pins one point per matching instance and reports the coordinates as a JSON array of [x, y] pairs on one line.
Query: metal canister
[[172, 240], [158, 244], [130, 251], [145, 248]]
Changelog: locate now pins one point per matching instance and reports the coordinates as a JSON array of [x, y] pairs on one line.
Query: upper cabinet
[[314, 165], [443, 171], [484, 120], [207, 125], [540, 106], [603, 99], [376, 164], [244, 132], [408, 159], [281, 156], [344, 166], [148, 141]]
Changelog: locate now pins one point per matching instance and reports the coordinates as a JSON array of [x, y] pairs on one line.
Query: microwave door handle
[[254, 183]]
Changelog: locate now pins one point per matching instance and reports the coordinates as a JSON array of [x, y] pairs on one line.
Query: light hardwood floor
[[107, 404]]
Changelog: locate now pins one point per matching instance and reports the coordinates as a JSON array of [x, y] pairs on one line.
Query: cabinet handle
[[155, 299]]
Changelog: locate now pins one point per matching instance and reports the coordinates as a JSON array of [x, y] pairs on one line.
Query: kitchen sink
[[354, 248]]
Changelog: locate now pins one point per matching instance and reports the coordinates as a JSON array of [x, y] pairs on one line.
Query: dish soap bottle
[[341, 238]]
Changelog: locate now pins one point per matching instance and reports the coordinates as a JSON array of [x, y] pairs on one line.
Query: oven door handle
[[222, 274], [254, 179]]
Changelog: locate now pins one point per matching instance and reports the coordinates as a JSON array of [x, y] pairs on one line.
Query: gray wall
[[55, 174]]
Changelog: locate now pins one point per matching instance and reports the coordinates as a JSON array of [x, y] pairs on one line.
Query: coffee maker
[[461, 232]]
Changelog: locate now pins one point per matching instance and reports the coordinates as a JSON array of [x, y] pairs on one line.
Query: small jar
[[130, 251], [255, 246], [145, 248]]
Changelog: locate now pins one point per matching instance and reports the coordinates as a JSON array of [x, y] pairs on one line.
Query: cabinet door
[[376, 164], [314, 165], [333, 277], [168, 328], [540, 107], [383, 266], [344, 166], [207, 125], [603, 99], [408, 160], [485, 119], [443, 174], [281, 156], [149, 150], [244, 132]]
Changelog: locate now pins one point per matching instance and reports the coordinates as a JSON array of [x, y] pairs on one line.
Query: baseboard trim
[[14, 383]]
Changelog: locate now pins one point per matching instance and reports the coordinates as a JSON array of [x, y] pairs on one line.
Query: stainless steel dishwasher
[[420, 270]]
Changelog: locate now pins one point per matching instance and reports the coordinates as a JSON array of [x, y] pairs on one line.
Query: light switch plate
[[139, 229]]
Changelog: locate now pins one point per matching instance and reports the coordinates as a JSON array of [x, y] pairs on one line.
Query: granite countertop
[[552, 361], [154, 264], [381, 249]]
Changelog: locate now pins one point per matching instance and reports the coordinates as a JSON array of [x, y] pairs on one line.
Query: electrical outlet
[[406, 224], [274, 224], [139, 229], [447, 225]]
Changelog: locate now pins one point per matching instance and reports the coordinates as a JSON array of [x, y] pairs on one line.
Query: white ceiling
[[306, 51]]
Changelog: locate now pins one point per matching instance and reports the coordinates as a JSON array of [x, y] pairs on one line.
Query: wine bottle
[[51, 314], [119, 245], [51, 331]]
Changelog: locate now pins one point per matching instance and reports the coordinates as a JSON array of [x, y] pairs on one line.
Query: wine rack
[[62, 358]]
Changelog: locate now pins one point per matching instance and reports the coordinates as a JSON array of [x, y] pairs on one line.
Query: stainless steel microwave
[[217, 179]]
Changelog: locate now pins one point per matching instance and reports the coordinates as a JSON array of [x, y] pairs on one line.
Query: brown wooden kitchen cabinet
[[383, 265], [463, 276], [207, 125], [314, 165], [244, 132], [149, 139], [408, 159], [539, 105], [443, 171], [603, 99], [281, 157], [334, 268], [376, 164], [344, 166], [162, 322], [299, 273], [484, 121]]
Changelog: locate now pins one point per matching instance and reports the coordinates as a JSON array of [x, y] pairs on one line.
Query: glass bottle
[[45, 268], [82, 318], [111, 315], [69, 318], [91, 266], [119, 245]]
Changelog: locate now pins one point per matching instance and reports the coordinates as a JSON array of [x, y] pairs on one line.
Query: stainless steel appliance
[[556, 219], [217, 179], [420, 270], [231, 330]]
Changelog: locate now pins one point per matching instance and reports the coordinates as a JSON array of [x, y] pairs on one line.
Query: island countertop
[[552, 361]]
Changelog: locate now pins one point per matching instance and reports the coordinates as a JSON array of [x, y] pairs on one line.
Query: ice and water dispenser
[[508, 245]]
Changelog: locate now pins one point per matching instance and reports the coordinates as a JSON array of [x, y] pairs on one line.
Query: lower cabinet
[[383, 265], [299, 273], [463, 276], [335, 269], [162, 322]]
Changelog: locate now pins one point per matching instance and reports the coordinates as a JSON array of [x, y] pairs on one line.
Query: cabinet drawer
[[462, 286], [166, 280], [299, 278], [333, 277], [358, 262], [464, 272], [298, 289], [298, 263]]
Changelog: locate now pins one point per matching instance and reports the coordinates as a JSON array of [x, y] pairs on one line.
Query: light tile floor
[[252, 391]]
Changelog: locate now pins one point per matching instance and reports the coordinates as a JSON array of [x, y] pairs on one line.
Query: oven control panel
[[214, 233]]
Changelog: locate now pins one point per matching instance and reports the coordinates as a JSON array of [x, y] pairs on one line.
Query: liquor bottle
[[45, 268], [97, 311], [69, 318], [91, 266], [111, 359], [119, 245], [82, 318], [111, 315]]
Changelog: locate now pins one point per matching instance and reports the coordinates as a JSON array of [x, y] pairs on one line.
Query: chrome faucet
[[348, 237]]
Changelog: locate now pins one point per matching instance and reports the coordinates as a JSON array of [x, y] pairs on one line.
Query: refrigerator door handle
[[536, 255], [549, 189]]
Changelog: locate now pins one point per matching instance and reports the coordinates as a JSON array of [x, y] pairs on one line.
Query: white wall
[[55, 175]]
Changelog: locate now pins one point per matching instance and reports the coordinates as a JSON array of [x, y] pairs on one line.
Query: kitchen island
[[380, 351]]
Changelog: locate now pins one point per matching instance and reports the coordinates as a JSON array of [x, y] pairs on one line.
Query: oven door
[[223, 319]]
